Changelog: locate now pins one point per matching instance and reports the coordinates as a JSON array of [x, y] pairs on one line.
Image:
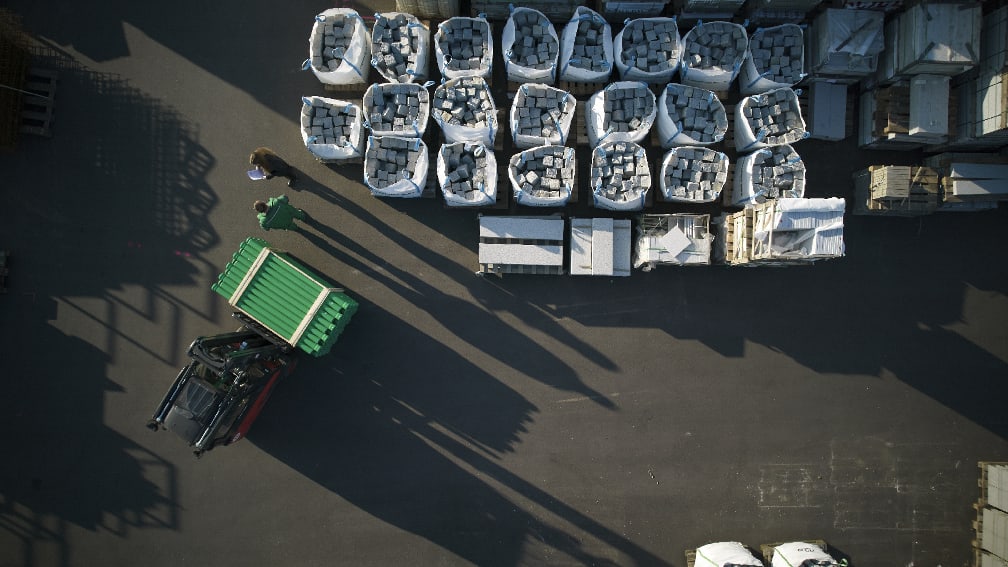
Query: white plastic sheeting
[[348, 116], [354, 56], [673, 239], [798, 229], [845, 42], [725, 554], [801, 553], [586, 30]]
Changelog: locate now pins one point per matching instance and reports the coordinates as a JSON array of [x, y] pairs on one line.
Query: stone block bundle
[[650, 46], [390, 159], [690, 116], [620, 176], [778, 172], [541, 114], [588, 51], [627, 108], [330, 46], [715, 45], [535, 42], [543, 176], [399, 44], [465, 176], [465, 47], [777, 56], [401, 109], [694, 174], [329, 122], [465, 110], [769, 119]]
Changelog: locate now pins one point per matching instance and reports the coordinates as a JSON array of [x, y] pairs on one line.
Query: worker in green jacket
[[278, 213]]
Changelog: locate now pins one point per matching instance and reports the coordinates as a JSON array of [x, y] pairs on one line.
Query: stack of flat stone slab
[[776, 59], [628, 111], [399, 44], [465, 110], [649, 47], [465, 47], [391, 159], [589, 49], [690, 116], [465, 181], [693, 174], [399, 109], [333, 123], [329, 47], [712, 54], [769, 119], [535, 41], [541, 114], [543, 176], [772, 173], [620, 176]]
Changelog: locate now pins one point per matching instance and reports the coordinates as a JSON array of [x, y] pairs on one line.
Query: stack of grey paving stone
[[398, 109], [769, 119], [396, 166], [689, 116], [770, 173], [543, 176], [776, 59], [530, 45], [464, 47], [339, 47], [464, 109], [329, 47], [713, 53], [331, 129], [586, 47], [620, 176], [648, 49], [693, 174], [623, 111], [541, 114], [399, 47], [467, 172]]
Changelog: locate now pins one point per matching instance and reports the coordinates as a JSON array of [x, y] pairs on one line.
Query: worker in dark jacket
[[272, 165], [278, 213]]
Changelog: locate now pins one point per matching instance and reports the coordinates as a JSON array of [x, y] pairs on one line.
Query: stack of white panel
[[992, 527], [940, 39], [600, 247], [512, 244], [844, 44]]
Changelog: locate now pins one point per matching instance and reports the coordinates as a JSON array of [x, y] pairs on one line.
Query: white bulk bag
[[801, 553], [568, 105], [595, 115], [419, 32], [748, 138], [322, 151], [410, 186], [744, 189], [417, 128], [725, 554], [463, 132], [528, 199], [577, 73], [626, 66], [444, 59], [756, 77], [356, 55], [715, 177], [516, 71], [488, 192], [671, 130], [715, 77]]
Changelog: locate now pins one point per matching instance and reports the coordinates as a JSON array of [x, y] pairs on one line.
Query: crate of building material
[[733, 238], [467, 174], [543, 176], [693, 174], [465, 110], [769, 119], [395, 166], [798, 230], [886, 190], [463, 47], [332, 130], [940, 39], [397, 109], [648, 49], [620, 176], [540, 115], [769, 173], [586, 48], [400, 47], [690, 116], [845, 44], [339, 47], [775, 59], [672, 239], [623, 111], [530, 46], [712, 55]]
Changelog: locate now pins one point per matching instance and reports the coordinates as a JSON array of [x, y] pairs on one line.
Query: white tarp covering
[[725, 554], [349, 144], [800, 553], [353, 53]]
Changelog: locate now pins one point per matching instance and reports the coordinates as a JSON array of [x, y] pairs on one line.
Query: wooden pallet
[[580, 90], [37, 111], [690, 557]]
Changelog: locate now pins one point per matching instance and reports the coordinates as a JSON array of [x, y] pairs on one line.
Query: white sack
[[352, 147], [711, 72], [595, 116], [748, 138], [801, 553], [570, 69], [410, 186], [417, 127], [757, 78], [626, 64], [671, 128], [356, 56], [444, 62], [568, 105], [418, 33], [517, 71], [484, 133], [487, 195], [725, 554]]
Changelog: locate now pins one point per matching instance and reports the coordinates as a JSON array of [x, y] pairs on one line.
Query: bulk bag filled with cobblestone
[[331, 129], [769, 119], [586, 48], [648, 49], [395, 166], [397, 109], [542, 176], [712, 56], [690, 116], [801, 553], [463, 47], [400, 47], [726, 554], [540, 115], [622, 112], [620, 176], [693, 174], [530, 46], [464, 109], [339, 47], [467, 173], [776, 59], [769, 173]]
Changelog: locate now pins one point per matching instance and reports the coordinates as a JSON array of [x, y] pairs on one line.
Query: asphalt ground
[[523, 420]]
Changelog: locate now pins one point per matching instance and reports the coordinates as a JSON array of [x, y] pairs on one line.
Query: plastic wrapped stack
[[543, 176], [338, 48], [620, 176], [770, 173], [713, 53], [693, 174], [467, 173], [769, 119], [530, 46], [648, 49], [464, 47], [727, 553], [690, 116], [541, 115], [400, 46], [397, 109], [776, 59], [465, 110], [331, 129], [624, 111], [395, 166], [586, 48]]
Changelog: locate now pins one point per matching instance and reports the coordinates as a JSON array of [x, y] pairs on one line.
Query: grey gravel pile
[[546, 172], [780, 174], [465, 101], [390, 159], [329, 124], [695, 174], [588, 51], [329, 47], [650, 46], [715, 45], [774, 112], [698, 112], [464, 41], [780, 52], [393, 48], [620, 171], [534, 46], [626, 108], [396, 106], [466, 168], [541, 110]]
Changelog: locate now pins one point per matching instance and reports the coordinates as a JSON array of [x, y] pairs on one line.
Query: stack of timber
[[970, 181], [991, 526], [906, 115], [895, 190]]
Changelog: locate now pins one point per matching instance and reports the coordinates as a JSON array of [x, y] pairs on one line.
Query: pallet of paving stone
[[775, 59], [772, 118], [464, 47], [401, 48], [582, 89], [339, 53], [688, 116], [620, 178], [37, 111], [530, 47], [770, 173], [692, 174], [470, 164], [767, 549], [354, 89], [541, 114], [648, 50], [521, 244], [545, 176], [713, 54], [397, 167]]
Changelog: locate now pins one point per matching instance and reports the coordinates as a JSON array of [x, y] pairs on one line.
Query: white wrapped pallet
[[463, 47], [623, 111], [672, 239], [941, 39], [845, 43], [542, 176], [648, 49], [395, 166], [400, 47], [397, 109], [530, 46], [620, 176], [541, 115], [465, 110], [586, 48], [693, 174], [801, 553], [798, 230], [769, 173], [467, 174], [690, 116], [339, 47], [332, 130], [768, 119], [712, 55], [775, 59], [725, 554]]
